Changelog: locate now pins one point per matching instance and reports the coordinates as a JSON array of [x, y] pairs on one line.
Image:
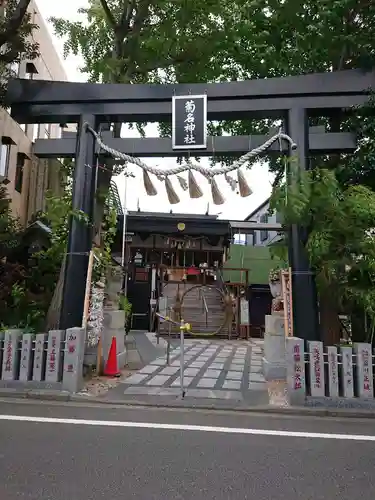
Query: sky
[[132, 192]]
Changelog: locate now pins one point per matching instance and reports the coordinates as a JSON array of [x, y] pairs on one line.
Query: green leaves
[[341, 242], [16, 28], [9, 226], [155, 41]]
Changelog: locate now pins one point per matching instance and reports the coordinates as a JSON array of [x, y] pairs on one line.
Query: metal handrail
[[205, 306], [220, 279]]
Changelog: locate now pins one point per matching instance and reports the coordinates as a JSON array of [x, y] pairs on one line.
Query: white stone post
[[316, 368], [54, 361], [40, 355], [11, 358], [333, 372], [73, 360], [365, 383], [26, 357], [347, 381], [274, 364], [295, 361]]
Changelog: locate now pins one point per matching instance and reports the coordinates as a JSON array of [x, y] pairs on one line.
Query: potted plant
[[274, 281]]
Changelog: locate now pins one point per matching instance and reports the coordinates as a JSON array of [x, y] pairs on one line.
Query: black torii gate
[[292, 99]]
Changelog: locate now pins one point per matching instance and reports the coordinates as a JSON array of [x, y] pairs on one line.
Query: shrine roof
[[167, 223]]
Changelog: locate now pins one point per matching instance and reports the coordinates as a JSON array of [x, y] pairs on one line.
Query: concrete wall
[[38, 175]]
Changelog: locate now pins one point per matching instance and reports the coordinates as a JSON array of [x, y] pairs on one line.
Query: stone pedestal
[[113, 326], [73, 360], [113, 287], [26, 357], [274, 366], [11, 357]]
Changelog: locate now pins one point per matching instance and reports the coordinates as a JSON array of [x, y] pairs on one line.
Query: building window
[[47, 131], [4, 160], [264, 232], [19, 172], [279, 218], [35, 132]]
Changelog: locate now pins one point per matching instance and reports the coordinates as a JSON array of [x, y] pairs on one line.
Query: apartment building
[[262, 237], [26, 177]]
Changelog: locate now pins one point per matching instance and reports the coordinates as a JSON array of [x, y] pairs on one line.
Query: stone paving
[[212, 369]]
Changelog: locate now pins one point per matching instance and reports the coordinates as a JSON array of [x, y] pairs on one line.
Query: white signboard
[[244, 309]]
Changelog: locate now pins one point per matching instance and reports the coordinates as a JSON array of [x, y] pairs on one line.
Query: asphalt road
[[56, 452]]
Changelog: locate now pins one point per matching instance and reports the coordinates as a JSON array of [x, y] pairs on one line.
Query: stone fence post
[[73, 359]]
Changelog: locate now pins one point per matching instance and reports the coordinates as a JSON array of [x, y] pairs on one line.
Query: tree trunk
[[53, 315], [104, 180], [358, 321], [329, 317]]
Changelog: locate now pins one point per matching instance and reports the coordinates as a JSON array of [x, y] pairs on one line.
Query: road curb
[[293, 411], [44, 395], [59, 396]]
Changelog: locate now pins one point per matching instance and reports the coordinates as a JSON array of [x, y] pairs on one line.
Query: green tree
[[9, 226], [148, 41], [274, 39], [157, 41], [162, 41], [16, 28], [341, 243]]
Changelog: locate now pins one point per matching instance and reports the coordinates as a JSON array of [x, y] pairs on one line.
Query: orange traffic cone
[[111, 369]]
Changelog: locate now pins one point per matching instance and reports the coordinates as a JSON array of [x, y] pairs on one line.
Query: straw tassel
[[148, 184], [182, 182], [243, 186], [194, 189], [217, 197], [171, 193]]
